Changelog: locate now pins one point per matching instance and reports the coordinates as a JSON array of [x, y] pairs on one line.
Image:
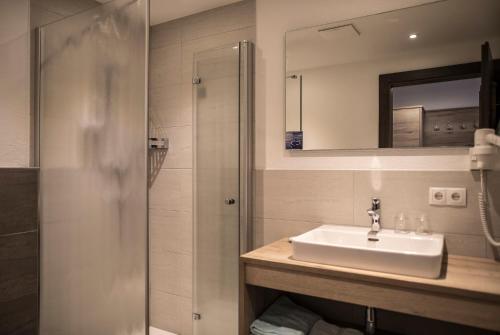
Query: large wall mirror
[[418, 77]]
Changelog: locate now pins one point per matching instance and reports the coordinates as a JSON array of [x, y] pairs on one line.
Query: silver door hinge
[[196, 80], [196, 316]]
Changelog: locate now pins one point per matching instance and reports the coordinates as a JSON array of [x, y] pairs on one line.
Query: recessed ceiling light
[[412, 36]]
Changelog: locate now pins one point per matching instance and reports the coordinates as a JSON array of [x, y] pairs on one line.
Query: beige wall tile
[[171, 312], [172, 190], [407, 191], [15, 20], [269, 230], [465, 245], [492, 252], [165, 66], [312, 196], [180, 150], [167, 33], [172, 273], [191, 47], [171, 105], [219, 20], [171, 231], [291, 202], [66, 7], [14, 103], [40, 16]]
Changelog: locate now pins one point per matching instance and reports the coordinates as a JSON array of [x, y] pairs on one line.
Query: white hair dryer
[[483, 157]]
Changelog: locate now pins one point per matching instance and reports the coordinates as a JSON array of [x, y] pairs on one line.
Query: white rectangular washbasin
[[407, 254]]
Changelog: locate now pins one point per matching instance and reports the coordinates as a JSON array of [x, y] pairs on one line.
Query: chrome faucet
[[374, 213]]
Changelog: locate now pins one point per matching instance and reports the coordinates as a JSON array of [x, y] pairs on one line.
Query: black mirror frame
[[416, 77]]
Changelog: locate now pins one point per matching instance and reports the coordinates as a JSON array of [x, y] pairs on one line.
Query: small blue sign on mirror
[[294, 140]]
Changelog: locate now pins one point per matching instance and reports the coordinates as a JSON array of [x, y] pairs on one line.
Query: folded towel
[[259, 327], [284, 313], [324, 328], [350, 331]]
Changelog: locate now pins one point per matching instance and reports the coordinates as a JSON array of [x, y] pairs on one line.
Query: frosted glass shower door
[[220, 186], [93, 172]]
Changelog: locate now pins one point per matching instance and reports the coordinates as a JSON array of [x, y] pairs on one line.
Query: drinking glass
[[422, 224], [401, 223]]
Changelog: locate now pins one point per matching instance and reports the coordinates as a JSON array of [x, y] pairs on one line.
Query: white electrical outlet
[[448, 196], [437, 196], [456, 197]]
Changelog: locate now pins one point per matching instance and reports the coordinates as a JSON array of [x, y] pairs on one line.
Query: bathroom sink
[[392, 252]]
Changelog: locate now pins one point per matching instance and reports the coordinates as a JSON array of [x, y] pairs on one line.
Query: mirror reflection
[[419, 77]]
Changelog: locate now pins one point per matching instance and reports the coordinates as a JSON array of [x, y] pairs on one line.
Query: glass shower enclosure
[[93, 171], [223, 94]]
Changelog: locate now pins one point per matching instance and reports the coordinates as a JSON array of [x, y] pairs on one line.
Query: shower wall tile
[[18, 251], [164, 65], [171, 312], [189, 48], [171, 105], [40, 16], [290, 202], [165, 34], [14, 102], [171, 231], [172, 273], [172, 190], [18, 200], [180, 151], [219, 20], [19, 316], [65, 7], [15, 24]]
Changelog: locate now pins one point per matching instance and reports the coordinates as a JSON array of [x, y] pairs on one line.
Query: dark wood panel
[[18, 317], [18, 200], [18, 266]]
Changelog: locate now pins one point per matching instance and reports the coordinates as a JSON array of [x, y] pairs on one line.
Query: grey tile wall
[[288, 203], [18, 251], [173, 45]]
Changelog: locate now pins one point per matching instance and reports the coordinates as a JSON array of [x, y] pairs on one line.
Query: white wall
[[451, 94], [274, 18]]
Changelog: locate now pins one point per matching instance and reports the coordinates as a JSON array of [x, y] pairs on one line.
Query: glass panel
[[216, 185], [93, 175]]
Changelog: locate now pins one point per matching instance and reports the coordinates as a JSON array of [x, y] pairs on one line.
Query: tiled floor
[[156, 331]]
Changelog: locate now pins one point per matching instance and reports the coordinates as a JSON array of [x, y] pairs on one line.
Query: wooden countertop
[[476, 278]]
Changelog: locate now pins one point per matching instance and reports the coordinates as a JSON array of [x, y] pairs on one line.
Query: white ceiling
[[167, 10], [439, 25]]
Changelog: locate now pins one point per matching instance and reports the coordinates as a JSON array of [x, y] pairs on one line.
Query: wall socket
[[448, 196]]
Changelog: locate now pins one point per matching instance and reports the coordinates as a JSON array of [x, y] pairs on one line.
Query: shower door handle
[[229, 201]]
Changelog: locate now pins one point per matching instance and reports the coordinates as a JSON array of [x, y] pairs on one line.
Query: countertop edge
[[253, 258]]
